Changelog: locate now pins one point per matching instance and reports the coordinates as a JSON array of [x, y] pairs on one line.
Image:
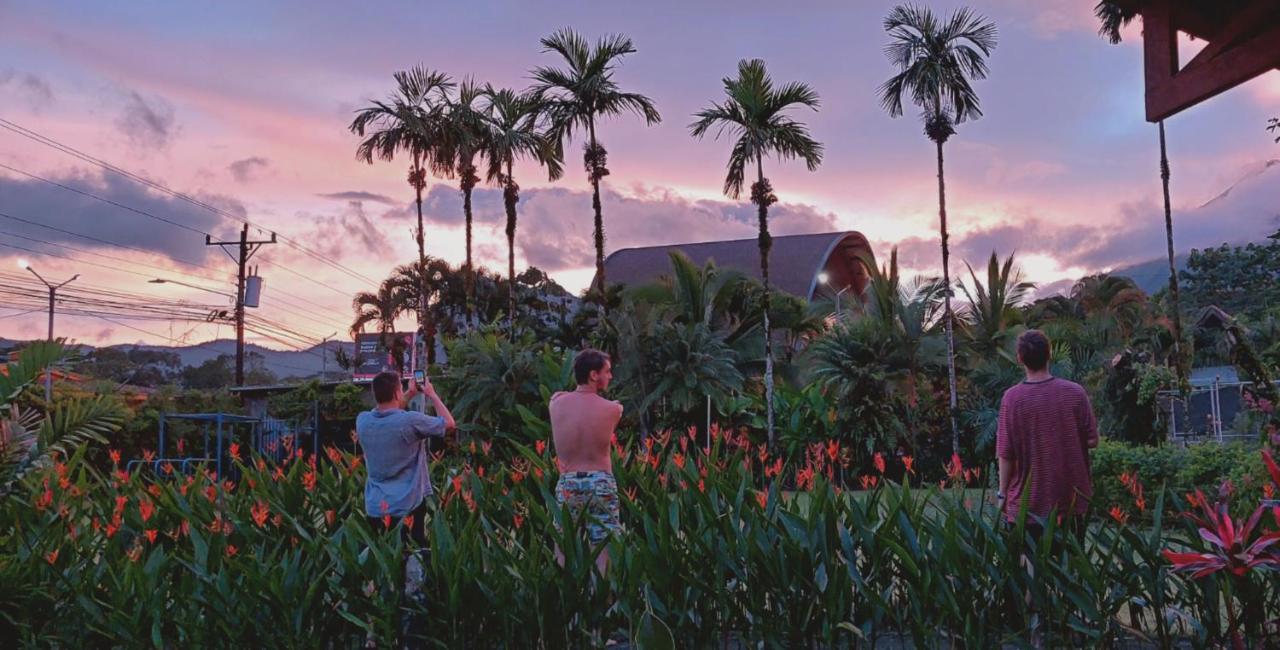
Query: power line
[[119, 259], [50, 142], [203, 346]]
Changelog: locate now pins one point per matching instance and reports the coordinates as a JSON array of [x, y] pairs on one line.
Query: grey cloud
[[36, 91], [1247, 211], [147, 124], [247, 169], [350, 233], [554, 231], [360, 196], [58, 208]]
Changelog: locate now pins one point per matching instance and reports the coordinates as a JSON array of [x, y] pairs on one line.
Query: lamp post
[[53, 291], [324, 355], [193, 286], [824, 278]]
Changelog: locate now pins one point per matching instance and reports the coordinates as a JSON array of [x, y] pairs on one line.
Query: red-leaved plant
[[1233, 550]]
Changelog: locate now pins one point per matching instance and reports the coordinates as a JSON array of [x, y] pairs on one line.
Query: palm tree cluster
[[457, 131], [452, 131]]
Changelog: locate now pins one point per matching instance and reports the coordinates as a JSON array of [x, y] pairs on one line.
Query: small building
[[796, 262]]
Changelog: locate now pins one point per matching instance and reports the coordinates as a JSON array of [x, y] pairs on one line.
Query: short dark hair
[[586, 362], [1033, 349], [385, 386]]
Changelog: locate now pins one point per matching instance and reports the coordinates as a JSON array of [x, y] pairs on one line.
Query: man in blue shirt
[[395, 454]]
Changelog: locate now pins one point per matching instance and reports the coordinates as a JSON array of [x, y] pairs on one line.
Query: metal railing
[[1206, 413]]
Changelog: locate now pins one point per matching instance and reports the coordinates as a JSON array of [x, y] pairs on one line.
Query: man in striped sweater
[[1046, 429]]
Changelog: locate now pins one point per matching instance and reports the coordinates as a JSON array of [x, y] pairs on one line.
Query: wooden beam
[[1247, 46]]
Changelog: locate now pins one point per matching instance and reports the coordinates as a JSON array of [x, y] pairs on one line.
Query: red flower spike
[[908, 462], [1118, 514], [151, 535], [540, 446], [51, 557], [232, 550], [235, 451], [115, 456], [878, 461]]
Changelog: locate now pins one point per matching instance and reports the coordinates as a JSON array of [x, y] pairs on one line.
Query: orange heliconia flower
[[678, 459], [51, 557], [146, 509], [115, 456], [259, 512], [908, 462], [702, 486], [151, 535], [309, 481], [762, 498], [1118, 514], [878, 461], [518, 521], [232, 550], [540, 446], [45, 500], [386, 521], [329, 516], [235, 451]]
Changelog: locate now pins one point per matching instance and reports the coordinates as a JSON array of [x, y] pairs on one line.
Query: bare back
[[582, 426]]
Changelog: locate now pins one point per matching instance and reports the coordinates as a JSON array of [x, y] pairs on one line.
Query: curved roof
[[795, 261]]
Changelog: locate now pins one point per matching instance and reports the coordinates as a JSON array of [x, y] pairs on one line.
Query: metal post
[[162, 435], [219, 449]]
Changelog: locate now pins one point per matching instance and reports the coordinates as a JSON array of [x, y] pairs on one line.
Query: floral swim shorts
[[597, 493]]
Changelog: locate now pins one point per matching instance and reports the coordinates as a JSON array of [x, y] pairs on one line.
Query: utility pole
[[53, 291], [324, 356], [245, 249]]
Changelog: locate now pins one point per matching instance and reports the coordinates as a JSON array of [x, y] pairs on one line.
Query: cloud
[[347, 235], [1249, 210], [67, 211], [247, 169], [147, 124], [33, 89], [353, 195], [554, 230]]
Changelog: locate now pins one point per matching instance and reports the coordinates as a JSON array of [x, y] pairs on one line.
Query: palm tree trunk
[[424, 314], [510, 195], [594, 165], [468, 184], [1173, 270], [766, 244], [946, 305]]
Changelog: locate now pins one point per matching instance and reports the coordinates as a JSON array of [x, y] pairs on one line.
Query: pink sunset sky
[[246, 106]]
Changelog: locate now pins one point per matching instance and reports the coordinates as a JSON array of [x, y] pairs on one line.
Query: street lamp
[[53, 291], [825, 278], [193, 286]]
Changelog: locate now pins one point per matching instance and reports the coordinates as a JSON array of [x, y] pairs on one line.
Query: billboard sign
[[373, 357]]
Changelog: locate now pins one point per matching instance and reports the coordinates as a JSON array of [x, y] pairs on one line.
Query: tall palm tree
[[1113, 17], [576, 97], [467, 134], [513, 133], [411, 121], [381, 309], [755, 115], [936, 60]]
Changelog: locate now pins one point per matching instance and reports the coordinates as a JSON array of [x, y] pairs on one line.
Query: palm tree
[[512, 124], [381, 309], [467, 134], [995, 307], [936, 61], [755, 114], [575, 97], [1113, 17], [411, 121]]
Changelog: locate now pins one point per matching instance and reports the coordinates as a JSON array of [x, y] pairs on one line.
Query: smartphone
[[420, 376]]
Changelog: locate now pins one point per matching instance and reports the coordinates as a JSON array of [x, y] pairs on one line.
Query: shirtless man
[[582, 427]]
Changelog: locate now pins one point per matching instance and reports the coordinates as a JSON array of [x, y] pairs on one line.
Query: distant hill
[[1153, 275], [284, 363]]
